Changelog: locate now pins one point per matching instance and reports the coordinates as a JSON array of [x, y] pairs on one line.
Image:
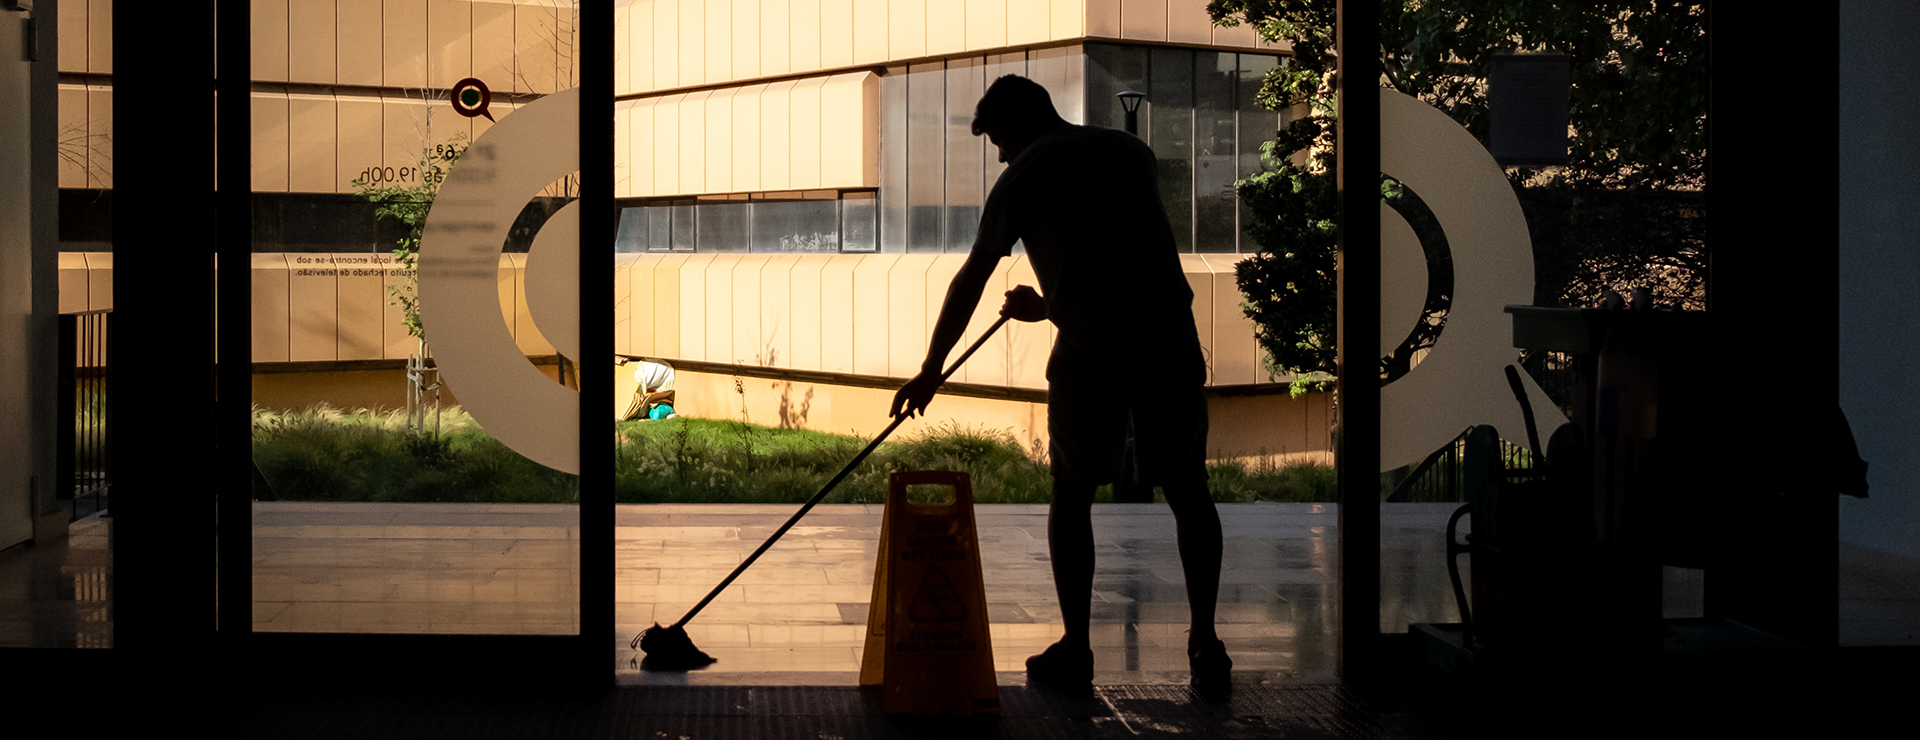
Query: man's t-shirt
[[1085, 202]]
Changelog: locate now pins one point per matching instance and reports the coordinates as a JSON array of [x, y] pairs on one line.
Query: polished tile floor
[[59, 594], [800, 612], [799, 615]]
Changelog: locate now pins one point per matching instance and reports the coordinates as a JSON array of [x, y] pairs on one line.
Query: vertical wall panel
[[804, 38], [989, 365], [750, 345], [1242, 36], [776, 37], [312, 308], [986, 23], [641, 336], [693, 302], [270, 144], [357, 137], [1103, 18], [311, 137], [837, 311], [719, 307], [403, 42], [623, 313], [667, 308], [666, 145], [906, 314], [693, 42], [100, 281], [361, 43], [638, 47], [99, 34], [1029, 22], [642, 147], [1027, 344], [403, 130], [311, 45], [776, 147], [269, 19], [666, 44], [776, 310], [717, 42], [623, 180], [719, 142], [805, 310], [1144, 20], [746, 138], [836, 33], [100, 136], [693, 135], [73, 107], [849, 161], [906, 28], [1069, 19], [269, 328], [938, 277], [362, 309], [72, 37], [870, 25], [73, 282], [1187, 22], [536, 56], [746, 39], [1233, 344], [806, 138], [871, 303], [622, 47], [449, 42], [946, 26]]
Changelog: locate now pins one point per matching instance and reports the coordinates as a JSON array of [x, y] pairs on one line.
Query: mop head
[[669, 649]]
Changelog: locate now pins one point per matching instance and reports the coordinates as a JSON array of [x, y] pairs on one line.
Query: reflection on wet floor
[[799, 615], [59, 594], [803, 607]]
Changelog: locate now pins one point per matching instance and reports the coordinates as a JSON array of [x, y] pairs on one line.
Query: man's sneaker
[[1212, 669], [1063, 669]]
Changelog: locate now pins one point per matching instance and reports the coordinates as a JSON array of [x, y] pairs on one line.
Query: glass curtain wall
[[813, 221], [934, 173], [382, 505], [1204, 124]]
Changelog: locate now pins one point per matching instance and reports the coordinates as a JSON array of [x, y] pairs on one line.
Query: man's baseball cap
[[1013, 102]]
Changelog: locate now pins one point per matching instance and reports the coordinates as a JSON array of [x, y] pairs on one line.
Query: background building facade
[[797, 180]]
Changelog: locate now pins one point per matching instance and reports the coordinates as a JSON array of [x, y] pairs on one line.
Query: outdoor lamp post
[[1130, 100]]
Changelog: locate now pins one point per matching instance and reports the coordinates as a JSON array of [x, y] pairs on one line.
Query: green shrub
[[323, 454]]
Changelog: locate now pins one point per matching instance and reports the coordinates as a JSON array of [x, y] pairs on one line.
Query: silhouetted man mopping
[[1085, 203]]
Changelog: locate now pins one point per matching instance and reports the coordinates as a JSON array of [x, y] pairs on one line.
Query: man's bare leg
[[1070, 543], [1197, 523]]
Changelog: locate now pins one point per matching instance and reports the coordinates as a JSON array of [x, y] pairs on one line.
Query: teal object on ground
[[661, 411]]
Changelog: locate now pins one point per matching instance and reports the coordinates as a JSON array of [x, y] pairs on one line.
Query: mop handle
[[830, 484]]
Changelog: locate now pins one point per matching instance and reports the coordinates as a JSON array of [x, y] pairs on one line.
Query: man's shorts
[[1089, 405]]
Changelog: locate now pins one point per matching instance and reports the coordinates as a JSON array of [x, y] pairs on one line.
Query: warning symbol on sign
[[937, 600]]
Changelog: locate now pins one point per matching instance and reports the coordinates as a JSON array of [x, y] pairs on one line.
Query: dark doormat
[[830, 713]]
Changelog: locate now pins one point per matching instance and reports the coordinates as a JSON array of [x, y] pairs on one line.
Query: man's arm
[[963, 296]]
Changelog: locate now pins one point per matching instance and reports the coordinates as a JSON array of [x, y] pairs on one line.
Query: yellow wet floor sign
[[927, 644]]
